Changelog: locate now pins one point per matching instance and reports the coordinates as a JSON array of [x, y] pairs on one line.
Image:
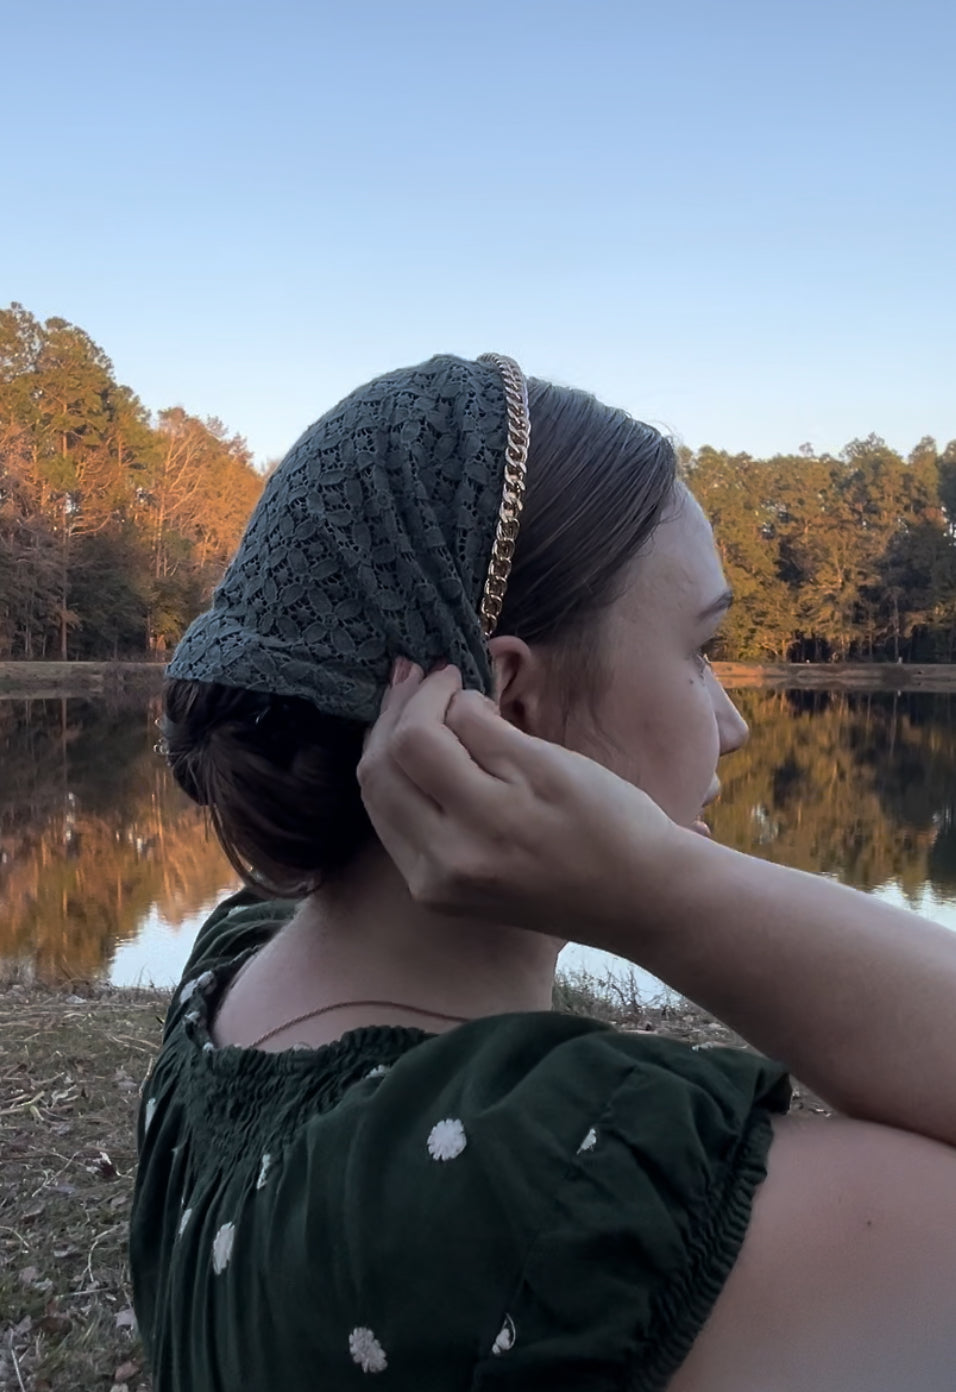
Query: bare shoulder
[[846, 1281]]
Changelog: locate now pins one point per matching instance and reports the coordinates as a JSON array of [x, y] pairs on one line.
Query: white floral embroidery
[[188, 991], [208, 1046], [589, 1142], [222, 1247], [183, 1221], [446, 1139], [506, 1337], [366, 1351], [192, 1017], [207, 979], [263, 1170], [378, 1071], [150, 1110]]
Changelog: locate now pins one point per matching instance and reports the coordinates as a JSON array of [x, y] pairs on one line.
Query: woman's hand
[[485, 821]]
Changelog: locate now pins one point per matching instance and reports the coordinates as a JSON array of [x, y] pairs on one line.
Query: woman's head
[[279, 776], [645, 702]]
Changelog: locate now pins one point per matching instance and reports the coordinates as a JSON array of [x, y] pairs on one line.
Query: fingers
[[498, 747], [400, 812], [422, 791], [405, 679], [404, 818], [411, 736], [432, 756], [419, 713]]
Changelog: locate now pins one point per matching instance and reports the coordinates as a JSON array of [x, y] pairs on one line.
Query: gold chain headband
[[512, 497]]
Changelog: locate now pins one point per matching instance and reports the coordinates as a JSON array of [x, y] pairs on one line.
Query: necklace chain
[[343, 1005]]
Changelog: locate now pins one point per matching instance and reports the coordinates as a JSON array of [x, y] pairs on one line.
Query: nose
[[733, 729]]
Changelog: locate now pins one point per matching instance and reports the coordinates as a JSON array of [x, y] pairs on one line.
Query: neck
[[366, 939]]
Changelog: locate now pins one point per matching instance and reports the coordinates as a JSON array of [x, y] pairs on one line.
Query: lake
[[108, 870]]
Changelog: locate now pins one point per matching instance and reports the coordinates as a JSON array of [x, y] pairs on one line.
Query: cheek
[[661, 736]]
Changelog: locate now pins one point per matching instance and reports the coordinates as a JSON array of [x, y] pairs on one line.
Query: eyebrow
[[720, 604]]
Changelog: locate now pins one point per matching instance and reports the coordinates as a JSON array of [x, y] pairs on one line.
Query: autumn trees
[[114, 526], [849, 558]]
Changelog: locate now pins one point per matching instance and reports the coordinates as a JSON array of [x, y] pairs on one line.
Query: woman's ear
[[520, 683]]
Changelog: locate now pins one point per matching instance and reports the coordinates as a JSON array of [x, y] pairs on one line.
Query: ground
[[70, 1071], [71, 1066]]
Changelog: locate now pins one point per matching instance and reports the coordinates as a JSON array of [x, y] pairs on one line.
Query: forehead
[[679, 572]]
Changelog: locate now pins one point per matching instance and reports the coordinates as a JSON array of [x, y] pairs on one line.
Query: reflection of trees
[[93, 835], [861, 785]]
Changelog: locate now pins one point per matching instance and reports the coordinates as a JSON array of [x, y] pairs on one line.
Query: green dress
[[528, 1201]]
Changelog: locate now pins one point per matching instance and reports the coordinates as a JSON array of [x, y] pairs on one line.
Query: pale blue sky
[[737, 219]]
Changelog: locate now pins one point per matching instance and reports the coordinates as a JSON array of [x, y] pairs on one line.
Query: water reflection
[[860, 785], [96, 842], [105, 867]]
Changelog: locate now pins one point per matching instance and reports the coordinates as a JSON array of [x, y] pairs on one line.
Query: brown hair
[[279, 777]]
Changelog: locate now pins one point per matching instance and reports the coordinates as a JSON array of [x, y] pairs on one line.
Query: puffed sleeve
[[532, 1202]]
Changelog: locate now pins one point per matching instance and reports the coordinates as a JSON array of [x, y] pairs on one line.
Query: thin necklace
[[342, 1005]]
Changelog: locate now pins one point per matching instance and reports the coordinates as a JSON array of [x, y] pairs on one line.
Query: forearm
[[856, 997]]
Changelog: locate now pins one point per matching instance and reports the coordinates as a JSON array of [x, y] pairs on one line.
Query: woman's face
[[661, 719]]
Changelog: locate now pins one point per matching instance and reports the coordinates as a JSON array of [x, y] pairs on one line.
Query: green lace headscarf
[[372, 540]]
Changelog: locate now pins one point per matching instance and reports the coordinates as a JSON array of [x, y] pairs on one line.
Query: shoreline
[[843, 676], [56, 680]]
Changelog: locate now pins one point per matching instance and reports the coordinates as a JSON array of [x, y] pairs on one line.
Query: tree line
[[835, 558], [116, 524]]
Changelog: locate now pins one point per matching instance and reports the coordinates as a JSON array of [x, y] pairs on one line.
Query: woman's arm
[[845, 1279], [857, 998]]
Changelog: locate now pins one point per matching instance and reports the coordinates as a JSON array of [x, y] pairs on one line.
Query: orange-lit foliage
[[114, 528], [94, 836]]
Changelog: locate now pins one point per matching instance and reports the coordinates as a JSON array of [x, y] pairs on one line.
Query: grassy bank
[[69, 1087], [55, 679], [49, 680], [849, 676]]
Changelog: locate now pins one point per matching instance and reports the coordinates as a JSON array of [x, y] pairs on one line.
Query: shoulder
[[547, 1074], [237, 927], [240, 922], [844, 1281], [583, 1190]]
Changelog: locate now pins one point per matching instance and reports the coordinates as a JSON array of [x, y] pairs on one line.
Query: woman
[[368, 1148]]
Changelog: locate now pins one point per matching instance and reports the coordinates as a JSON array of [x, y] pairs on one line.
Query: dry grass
[[71, 1066], [55, 679]]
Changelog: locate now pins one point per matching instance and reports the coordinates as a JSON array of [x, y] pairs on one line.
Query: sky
[[736, 219]]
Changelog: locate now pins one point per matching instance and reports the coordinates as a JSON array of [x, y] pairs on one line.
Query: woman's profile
[[450, 708]]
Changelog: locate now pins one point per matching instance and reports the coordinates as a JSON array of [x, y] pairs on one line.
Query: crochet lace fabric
[[371, 541]]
